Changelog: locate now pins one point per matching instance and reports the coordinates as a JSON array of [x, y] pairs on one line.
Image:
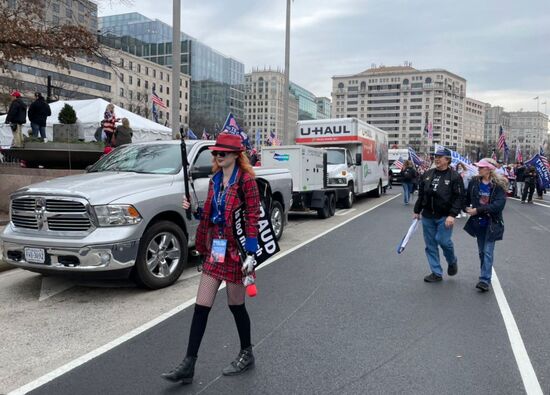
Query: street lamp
[[286, 93], [176, 66]]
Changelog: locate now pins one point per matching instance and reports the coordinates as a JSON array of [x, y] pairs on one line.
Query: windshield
[[150, 159], [336, 157]]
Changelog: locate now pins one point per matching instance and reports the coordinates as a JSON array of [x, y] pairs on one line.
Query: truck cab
[[340, 167]]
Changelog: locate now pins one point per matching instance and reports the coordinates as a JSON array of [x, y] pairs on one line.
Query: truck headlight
[[337, 180], [117, 215]]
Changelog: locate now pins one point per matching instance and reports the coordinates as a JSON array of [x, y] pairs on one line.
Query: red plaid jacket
[[230, 270]]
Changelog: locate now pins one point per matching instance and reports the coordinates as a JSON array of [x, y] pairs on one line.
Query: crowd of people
[[109, 133], [446, 193], [38, 113]]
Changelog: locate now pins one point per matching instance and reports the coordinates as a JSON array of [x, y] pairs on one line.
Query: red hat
[[15, 94], [228, 142]]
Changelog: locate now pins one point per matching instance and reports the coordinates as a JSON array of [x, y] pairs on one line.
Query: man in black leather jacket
[[440, 199]]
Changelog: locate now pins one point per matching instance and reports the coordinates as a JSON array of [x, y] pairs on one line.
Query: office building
[[529, 129], [217, 80], [474, 126], [324, 107], [72, 12], [495, 118], [264, 106], [307, 104], [405, 101]]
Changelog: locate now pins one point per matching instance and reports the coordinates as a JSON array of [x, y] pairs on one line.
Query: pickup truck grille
[[50, 214]]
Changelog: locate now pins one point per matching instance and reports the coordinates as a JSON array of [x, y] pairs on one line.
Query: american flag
[[156, 99], [273, 139], [399, 163], [519, 156], [501, 144], [232, 127]]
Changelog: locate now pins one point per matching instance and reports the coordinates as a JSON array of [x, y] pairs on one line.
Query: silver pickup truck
[[123, 216]]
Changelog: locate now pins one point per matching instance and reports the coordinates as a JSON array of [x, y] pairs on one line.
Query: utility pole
[[176, 66], [287, 138]]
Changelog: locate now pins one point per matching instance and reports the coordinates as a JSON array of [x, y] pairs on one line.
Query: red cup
[[251, 290]]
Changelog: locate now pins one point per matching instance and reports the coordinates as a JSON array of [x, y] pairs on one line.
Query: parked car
[[123, 216]]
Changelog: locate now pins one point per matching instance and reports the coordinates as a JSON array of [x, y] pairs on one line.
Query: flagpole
[[176, 65], [286, 93]]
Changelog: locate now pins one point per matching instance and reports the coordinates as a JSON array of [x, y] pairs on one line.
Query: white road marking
[[341, 213], [535, 203], [528, 375], [52, 286], [133, 333]]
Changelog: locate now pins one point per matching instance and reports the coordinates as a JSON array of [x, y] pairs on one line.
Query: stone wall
[[13, 178]]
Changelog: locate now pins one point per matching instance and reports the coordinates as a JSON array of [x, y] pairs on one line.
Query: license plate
[[35, 255]]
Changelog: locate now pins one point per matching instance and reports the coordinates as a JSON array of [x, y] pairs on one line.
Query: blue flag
[[191, 135], [415, 158], [232, 127], [541, 165]]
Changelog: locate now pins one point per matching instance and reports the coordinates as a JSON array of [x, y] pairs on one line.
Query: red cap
[[107, 150], [228, 142], [15, 94]]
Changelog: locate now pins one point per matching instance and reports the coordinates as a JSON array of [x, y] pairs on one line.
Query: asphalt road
[[346, 314]]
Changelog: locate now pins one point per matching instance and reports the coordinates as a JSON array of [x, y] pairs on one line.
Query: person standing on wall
[[16, 118], [39, 111], [216, 243], [440, 199]]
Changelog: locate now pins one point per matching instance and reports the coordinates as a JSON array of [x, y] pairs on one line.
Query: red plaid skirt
[[230, 269]]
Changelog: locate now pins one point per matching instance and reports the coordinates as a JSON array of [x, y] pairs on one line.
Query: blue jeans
[[36, 128], [486, 249], [436, 234], [407, 190]]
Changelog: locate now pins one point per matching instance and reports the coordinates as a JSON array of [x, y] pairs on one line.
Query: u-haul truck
[[357, 154]]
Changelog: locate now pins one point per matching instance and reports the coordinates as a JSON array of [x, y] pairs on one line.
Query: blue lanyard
[[220, 195]]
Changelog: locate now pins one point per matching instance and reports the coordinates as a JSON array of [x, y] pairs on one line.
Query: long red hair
[[241, 161]]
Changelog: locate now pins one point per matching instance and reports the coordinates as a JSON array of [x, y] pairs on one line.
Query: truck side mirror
[[358, 159], [200, 172]]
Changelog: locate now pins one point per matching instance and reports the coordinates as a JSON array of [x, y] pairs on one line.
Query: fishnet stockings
[[208, 289]]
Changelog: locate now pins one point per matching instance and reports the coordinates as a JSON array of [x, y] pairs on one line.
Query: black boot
[[243, 362], [183, 372]]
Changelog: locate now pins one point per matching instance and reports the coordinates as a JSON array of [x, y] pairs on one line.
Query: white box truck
[[357, 155], [308, 167]]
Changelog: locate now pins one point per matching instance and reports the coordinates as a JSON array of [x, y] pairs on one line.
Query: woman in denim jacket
[[485, 201]]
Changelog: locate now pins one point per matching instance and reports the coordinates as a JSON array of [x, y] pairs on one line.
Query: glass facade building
[[307, 105], [217, 81]]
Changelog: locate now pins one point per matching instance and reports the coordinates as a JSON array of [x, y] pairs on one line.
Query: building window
[[167, 90], [121, 62], [130, 80], [160, 89], [121, 92], [139, 68], [138, 82], [146, 70], [131, 65], [146, 84], [121, 77], [55, 6], [161, 75], [69, 13]]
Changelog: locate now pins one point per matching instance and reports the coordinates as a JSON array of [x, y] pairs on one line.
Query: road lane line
[[135, 332], [535, 203], [341, 213], [528, 375]]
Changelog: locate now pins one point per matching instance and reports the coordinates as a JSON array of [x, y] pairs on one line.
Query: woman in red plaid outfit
[[218, 247]]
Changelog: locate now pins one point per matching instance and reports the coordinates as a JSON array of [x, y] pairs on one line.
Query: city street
[[343, 313]]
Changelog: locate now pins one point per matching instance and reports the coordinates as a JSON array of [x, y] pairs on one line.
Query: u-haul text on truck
[[357, 153]]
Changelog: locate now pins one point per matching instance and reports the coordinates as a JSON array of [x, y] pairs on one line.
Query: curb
[[5, 266]]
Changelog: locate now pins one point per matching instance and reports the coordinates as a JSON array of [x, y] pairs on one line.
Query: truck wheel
[[277, 219], [325, 211], [332, 204], [378, 191], [348, 201], [161, 256]]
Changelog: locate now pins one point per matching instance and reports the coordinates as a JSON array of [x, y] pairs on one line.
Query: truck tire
[[161, 256], [378, 191], [277, 219], [332, 204], [348, 201], [325, 211]]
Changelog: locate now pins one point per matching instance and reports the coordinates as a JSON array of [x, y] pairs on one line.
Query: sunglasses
[[221, 154]]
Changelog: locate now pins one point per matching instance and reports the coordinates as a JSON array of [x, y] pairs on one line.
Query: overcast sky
[[502, 47]]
